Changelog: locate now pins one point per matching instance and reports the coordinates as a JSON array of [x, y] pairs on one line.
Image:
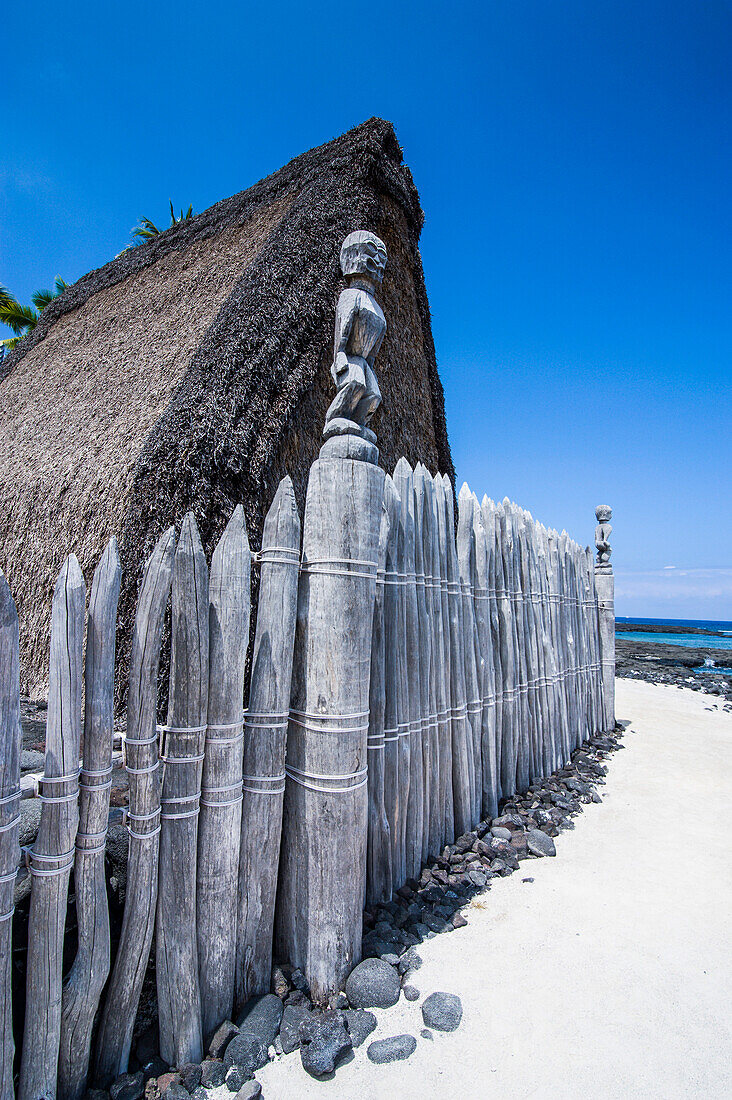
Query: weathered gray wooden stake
[[434, 815], [462, 737], [379, 875], [10, 743], [88, 975], [428, 726], [120, 1005], [482, 598], [444, 725], [265, 738], [474, 664], [324, 835], [219, 822], [494, 697], [394, 764], [176, 966], [520, 647], [414, 822], [524, 525], [52, 856]]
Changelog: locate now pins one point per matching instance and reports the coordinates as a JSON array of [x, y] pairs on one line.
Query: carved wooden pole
[[179, 998], [141, 749], [88, 975], [323, 862], [605, 585], [265, 737], [394, 803], [324, 837], [219, 823], [52, 855], [10, 743], [379, 874]]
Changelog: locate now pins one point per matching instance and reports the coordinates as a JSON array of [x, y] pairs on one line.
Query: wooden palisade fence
[[411, 667]]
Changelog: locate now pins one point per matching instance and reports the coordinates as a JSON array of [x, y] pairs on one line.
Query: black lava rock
[[323, 1039], [249, 1091], [442, 1011], [190, 1076], [212, 1074], [394, 1049], [292, 1017], [539, 843], [222, 1036], [130, 1086], [373, 984], [360, 1024], [410, 992], [261, 1016], [247, 1052]]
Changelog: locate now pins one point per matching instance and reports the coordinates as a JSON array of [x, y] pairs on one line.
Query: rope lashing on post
[[307, 721], [318, 567], [297, 775], [279, 779]]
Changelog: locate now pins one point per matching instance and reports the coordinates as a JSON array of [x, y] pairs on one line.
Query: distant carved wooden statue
[[603, 531], [359, 331]]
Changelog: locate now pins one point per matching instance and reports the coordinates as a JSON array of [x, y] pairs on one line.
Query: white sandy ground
[[608, 976]]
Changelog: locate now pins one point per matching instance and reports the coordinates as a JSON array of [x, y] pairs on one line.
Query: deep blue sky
[[573, 160]]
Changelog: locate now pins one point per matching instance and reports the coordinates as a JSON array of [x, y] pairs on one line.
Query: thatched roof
[[192, 373]]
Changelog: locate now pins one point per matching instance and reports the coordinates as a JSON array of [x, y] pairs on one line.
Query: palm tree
[[23, 319], [147, 229]]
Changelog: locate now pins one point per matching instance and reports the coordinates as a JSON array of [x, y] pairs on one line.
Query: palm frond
[[60, 284], [146, 230], [11, 342], [20, 319], [41, 298]]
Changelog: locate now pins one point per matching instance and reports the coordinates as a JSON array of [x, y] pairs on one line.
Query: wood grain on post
[[10, 743], [323, 862], [461, 735], [442, 616], [52, 856], [487, 776], [138, 922], [179, 998], [219, 823], [423, 564], [414, 823], [494, 695], [474, 670], [88, 975], [265, 739], [394, 686], [379, 876]]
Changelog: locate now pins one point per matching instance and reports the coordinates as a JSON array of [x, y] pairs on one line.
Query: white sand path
[[608, 976]]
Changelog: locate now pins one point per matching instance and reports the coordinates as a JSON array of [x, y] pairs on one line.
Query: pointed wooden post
[[414, 823], [324, 835], [141, 753], [444, 702], [379, 874], [428, 724], [219, 823], [265, 738], [10, 744], [430, 671], [176, 968], [88, 975], [52, 855], [394, 802]]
